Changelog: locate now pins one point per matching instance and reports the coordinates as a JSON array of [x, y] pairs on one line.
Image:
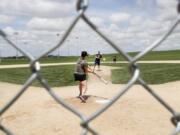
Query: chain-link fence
[[81, 7]]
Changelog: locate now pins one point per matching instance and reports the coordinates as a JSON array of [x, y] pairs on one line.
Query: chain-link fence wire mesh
[[34, 65]]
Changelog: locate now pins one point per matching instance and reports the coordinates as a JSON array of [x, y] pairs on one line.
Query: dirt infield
[[136, 113]]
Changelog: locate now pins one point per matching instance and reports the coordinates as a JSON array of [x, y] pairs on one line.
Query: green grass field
[[151, 73], [56, 76], [155, 55], [63, 75]]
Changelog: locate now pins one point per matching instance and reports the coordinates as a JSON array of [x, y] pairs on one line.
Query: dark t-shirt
[[98, 57]]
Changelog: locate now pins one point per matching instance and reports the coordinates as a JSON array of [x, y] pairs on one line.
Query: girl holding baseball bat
[[80, 74], [81, 71]]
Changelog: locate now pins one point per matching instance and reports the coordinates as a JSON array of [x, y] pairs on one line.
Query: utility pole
[[0, 56], [16, 35], [68, 45], [58, 47], [77, 48]]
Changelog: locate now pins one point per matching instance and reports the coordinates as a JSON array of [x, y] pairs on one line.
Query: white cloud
[[98, 21], [38, 8], [120, 17], [167, 9], [114, 27], [141, 2], [133, 29], [151, 24], [137, 20], [9, 30], [166, 3], [49, 24], [170, 14], [6, 19], [145, 3]]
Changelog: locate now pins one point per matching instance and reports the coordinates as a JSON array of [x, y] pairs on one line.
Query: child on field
[[81, 71]]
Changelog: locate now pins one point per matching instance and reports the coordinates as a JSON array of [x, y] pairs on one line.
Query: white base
[[102, 101]]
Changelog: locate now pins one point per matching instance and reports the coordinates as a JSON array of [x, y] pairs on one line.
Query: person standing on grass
[[114, 59], [81, 71], [97, 60]]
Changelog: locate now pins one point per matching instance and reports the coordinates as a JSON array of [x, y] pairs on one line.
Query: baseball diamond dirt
[[136, 113]]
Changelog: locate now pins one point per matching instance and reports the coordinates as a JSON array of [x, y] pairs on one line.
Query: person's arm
[[88, 70]]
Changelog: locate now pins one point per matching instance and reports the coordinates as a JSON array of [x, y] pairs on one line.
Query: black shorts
[[79, 77], [97, 62]]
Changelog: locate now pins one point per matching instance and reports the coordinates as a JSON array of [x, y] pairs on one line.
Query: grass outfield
[[161, 55], [151, 73], [63, 75], [56, 76], [11, 61]]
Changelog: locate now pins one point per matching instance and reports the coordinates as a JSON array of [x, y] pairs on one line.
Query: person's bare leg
[[85, 88], [98, 67], [81, 86]]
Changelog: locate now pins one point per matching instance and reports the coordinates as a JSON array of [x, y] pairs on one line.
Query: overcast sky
[[131, 24]]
